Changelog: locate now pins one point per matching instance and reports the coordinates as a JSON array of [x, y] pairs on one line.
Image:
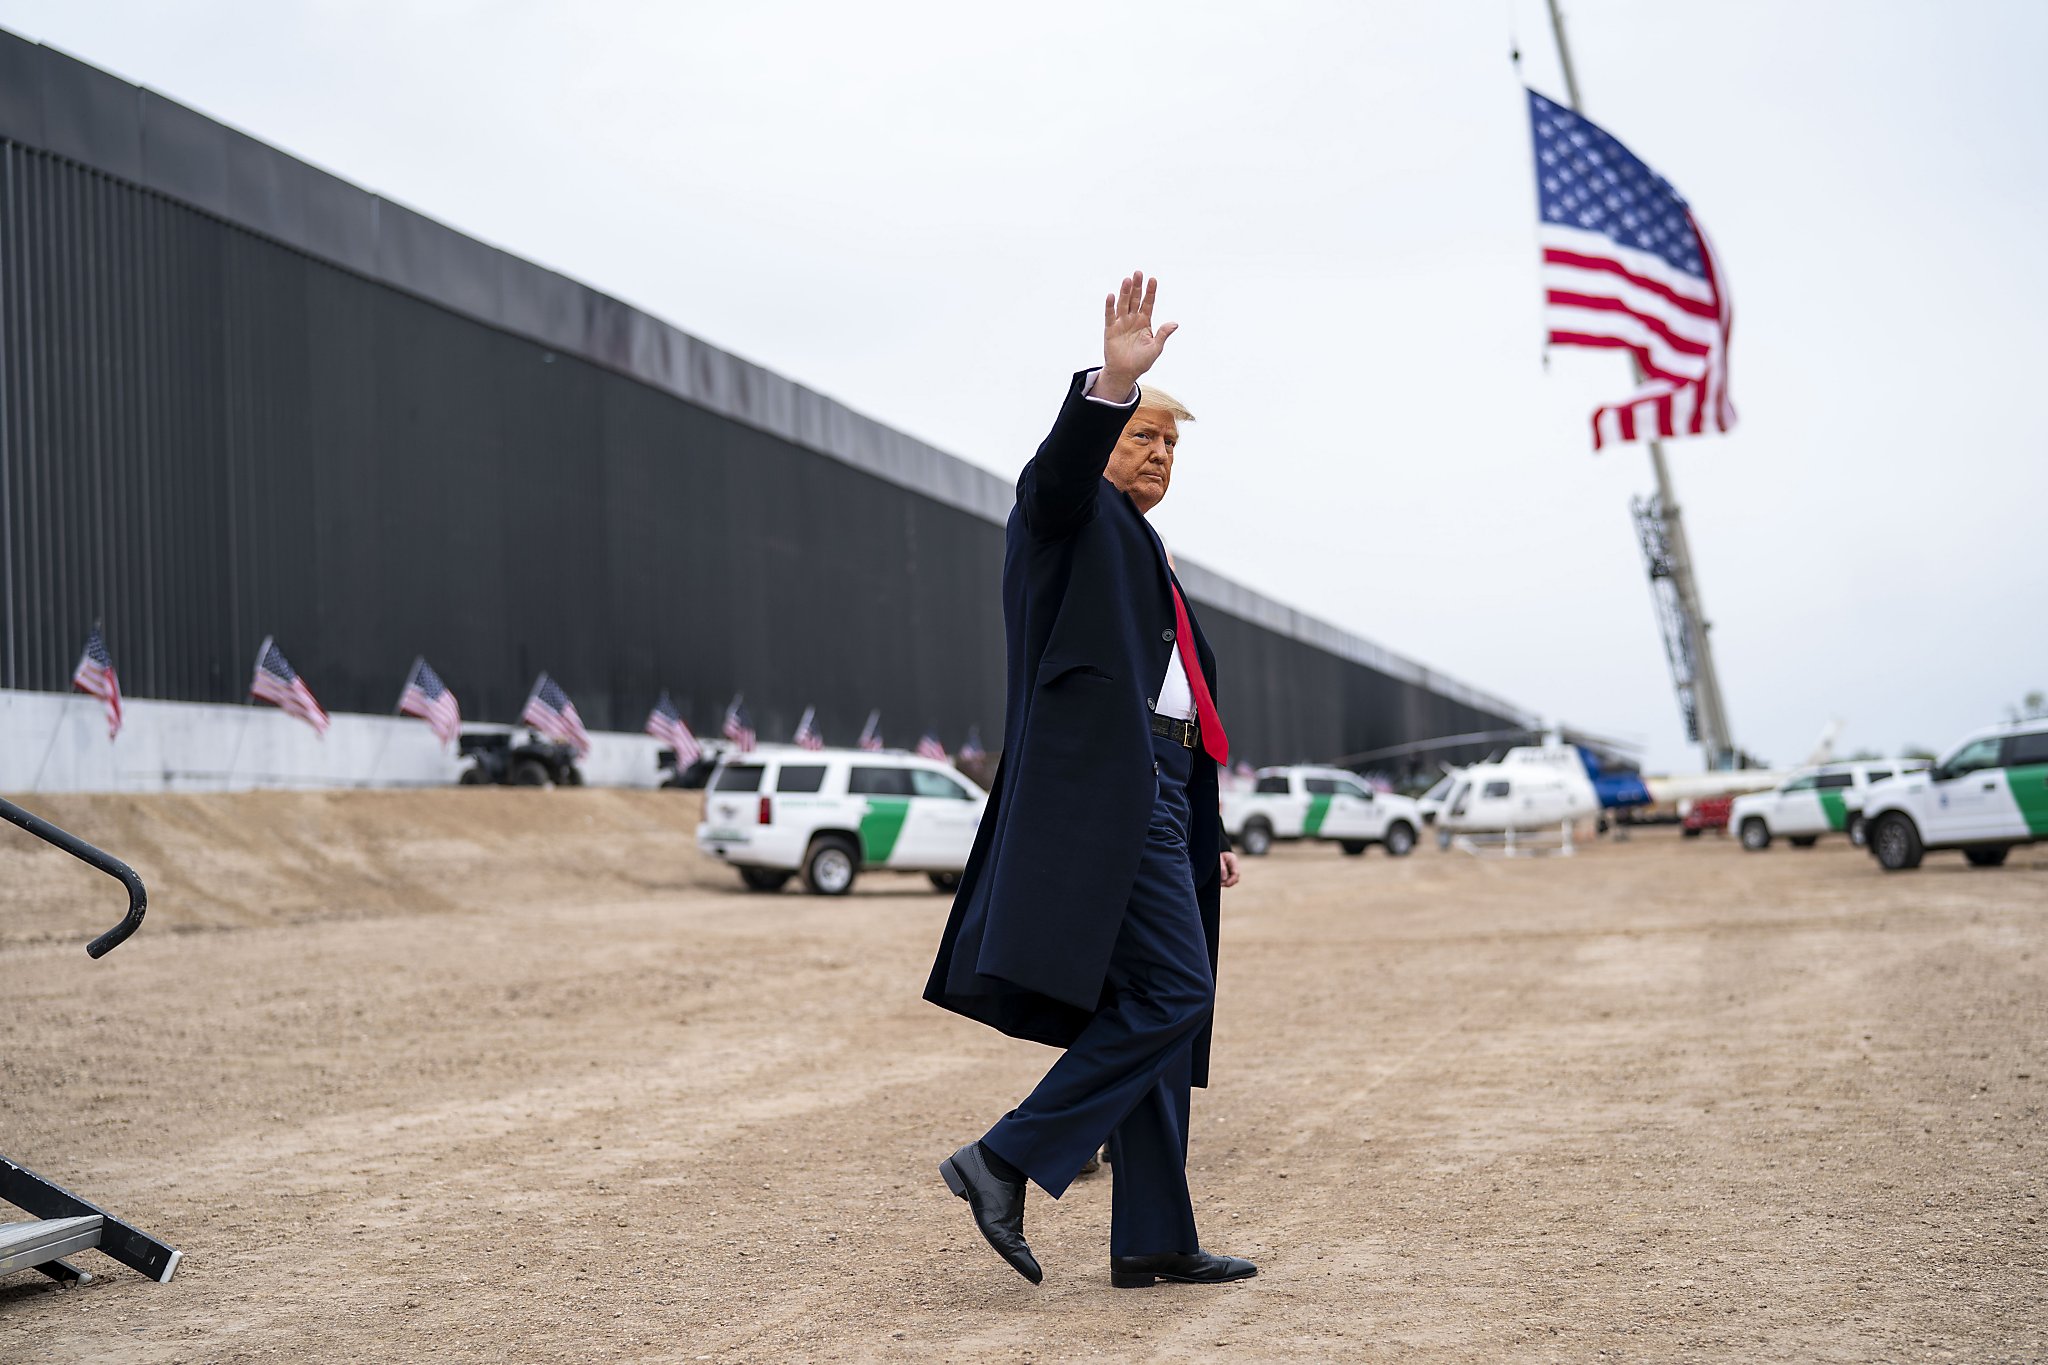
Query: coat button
[[1151, 705], [1167, 635]]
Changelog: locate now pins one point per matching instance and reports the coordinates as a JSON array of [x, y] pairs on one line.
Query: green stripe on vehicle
[[1836, 810], [2030, 793], [880, 826], [1318, 807]]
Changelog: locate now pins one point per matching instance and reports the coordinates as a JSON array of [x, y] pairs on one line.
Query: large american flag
[[1627, 267], [871, 733], [95, 675], [276, 683], [807, 736], [929, 747], [427, 697], [738, 727], [665, 723], [549, 710]]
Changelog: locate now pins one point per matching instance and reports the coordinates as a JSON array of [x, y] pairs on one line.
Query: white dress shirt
[[1175, 701]]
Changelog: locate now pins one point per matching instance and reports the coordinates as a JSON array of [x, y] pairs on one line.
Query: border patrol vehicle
[[830, 814], [1319, 803], [1989, 795], [1827, 799]]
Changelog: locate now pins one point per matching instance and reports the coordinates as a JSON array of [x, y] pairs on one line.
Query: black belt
[[1185, 732]]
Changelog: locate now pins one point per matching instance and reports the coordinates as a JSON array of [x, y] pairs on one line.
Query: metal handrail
[[138, 895]]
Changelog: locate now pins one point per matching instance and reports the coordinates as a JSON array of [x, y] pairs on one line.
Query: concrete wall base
[[51, 742]]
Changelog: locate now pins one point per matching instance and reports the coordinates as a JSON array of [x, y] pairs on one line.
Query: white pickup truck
[[1319, 803]]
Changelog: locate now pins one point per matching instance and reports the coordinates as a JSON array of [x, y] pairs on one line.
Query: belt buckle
[[1186, 735]]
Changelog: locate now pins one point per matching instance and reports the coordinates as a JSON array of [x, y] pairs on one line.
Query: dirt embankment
[[267, 858]]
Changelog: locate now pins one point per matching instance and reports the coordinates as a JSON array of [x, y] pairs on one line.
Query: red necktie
[[1214, 741]]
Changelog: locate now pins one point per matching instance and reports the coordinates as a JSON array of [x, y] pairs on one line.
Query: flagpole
[[370, 778], [1712, 716], [63, 714], [249, 710]]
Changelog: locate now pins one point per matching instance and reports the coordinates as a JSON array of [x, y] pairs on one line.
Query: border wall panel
[[207, 436]]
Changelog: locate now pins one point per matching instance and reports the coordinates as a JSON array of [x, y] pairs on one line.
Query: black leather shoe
[[998, 1207], [1178, 1267]]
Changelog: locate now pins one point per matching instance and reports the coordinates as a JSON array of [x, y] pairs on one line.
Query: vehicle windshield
[[1978, 753], [1441, 790]]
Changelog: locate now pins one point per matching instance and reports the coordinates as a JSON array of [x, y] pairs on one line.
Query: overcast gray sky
[[916, 207]]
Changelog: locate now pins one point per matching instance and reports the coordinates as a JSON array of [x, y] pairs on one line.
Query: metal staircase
[[61, 1224]]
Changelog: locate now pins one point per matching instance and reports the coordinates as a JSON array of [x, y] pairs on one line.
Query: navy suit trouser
[[1124, 1079]]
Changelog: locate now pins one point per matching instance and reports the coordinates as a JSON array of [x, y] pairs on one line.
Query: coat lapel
[[1152, 536], [1169, 582]]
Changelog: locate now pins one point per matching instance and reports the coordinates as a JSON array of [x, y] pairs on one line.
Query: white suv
[[1989, 794], [1319, 803], [829, 813], [1814, 801]]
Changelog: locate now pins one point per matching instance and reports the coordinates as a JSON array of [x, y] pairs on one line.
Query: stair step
[[23, 1246]]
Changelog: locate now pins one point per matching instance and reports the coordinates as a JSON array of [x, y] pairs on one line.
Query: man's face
[[1142, 463]]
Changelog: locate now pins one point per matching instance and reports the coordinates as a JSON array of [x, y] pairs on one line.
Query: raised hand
[[1130, 344]]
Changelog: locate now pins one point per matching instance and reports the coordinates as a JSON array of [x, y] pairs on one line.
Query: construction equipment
[[62, 1223], [496, 761]]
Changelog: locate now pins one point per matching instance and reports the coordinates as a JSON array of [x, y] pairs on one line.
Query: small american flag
[[665, 723], [1627, 267], [929, 747], [276, 683], [807, 736], [738, 727], [871, 733], [971, 751], [427, 697], [95, 675], [549, 710]]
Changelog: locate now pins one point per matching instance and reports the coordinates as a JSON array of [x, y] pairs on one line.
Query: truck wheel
[[765, 878], [473, 776], [1353, 847], [1691, 831], [1858, 835], [948, 882], [1400, 839], [1895, 843], [1987, 857], [1756, 835], [830, 866], [529, 772], [1803, 840], [572, 776], [1257, 839]]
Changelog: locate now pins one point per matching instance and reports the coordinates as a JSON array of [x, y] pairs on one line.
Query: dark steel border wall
[[239, 396]]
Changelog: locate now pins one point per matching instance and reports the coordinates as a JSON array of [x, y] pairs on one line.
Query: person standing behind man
[[1086, 917]]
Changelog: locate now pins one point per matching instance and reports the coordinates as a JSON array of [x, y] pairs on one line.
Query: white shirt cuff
[[1088, 392]]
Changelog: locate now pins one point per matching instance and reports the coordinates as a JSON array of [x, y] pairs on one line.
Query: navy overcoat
[[1089, 622]]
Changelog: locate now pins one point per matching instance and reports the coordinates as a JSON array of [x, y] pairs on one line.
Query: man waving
[[1087, 914]]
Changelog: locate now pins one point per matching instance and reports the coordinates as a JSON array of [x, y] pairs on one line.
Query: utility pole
[[1661, 530]]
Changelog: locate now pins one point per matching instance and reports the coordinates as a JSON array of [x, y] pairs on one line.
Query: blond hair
[[1160, 399]]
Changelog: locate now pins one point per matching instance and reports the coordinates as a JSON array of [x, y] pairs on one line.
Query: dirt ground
[[518, 1076]]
